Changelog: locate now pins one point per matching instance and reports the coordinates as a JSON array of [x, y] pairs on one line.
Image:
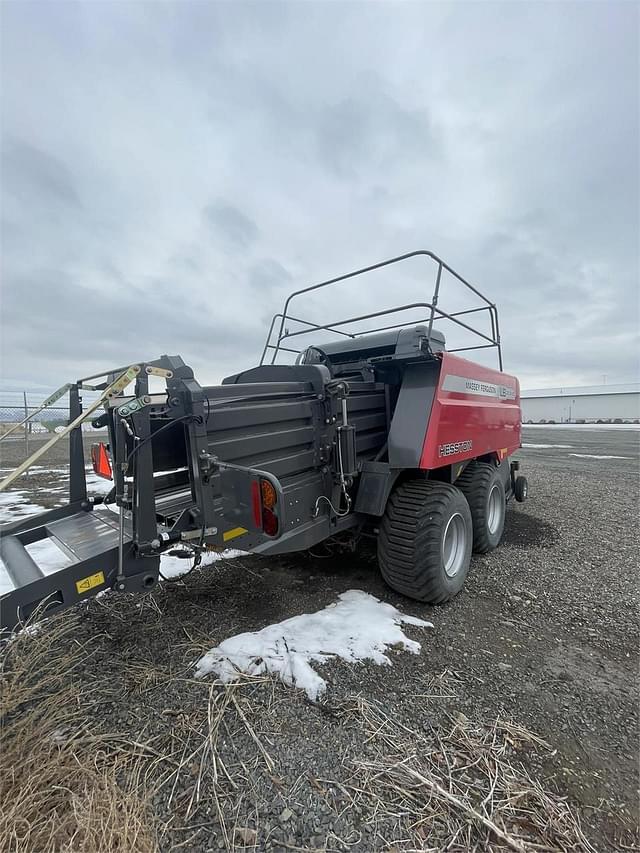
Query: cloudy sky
[[171, 171]]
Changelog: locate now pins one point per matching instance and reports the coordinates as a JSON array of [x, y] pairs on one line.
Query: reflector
[[100, 460]]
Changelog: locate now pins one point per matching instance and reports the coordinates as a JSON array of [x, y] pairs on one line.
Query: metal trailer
[[384, 433]]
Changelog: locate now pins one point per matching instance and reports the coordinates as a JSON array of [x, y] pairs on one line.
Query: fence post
[[26, 423]]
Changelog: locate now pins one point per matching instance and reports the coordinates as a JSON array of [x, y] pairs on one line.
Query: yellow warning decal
[[234, 533], [88, 583]]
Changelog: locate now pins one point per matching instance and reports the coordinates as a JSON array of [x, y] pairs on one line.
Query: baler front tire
[[483, 488], [521, 490], [425, 539]]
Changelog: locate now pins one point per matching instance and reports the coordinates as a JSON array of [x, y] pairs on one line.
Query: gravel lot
[[545, 635]]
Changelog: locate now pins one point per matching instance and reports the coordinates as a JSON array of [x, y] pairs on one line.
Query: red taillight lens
[[100, 460], [263, 501], [269, 522], [256, 504]]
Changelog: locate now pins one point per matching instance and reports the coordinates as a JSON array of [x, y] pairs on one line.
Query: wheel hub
[[454, 545], [495, 509]]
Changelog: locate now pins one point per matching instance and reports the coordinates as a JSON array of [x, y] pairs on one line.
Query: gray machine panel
[[395, 342], [412, 413]]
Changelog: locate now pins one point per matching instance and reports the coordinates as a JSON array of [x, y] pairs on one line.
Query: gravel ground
[[47, 482], [13, 451], [545, 634]]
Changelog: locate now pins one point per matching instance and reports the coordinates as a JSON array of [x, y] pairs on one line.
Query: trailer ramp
[[90, 540]]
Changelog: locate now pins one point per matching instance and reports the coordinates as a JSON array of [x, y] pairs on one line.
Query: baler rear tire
[[483, 488], [425, 539]]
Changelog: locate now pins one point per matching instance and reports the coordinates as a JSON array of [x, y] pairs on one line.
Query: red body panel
[[475, 411]]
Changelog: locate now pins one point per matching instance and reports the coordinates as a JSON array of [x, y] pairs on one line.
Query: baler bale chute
[[383, 433]]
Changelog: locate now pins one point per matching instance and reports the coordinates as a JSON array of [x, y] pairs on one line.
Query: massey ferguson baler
[[379, 433]]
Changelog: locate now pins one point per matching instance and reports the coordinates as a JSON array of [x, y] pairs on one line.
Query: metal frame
[[118, 565], [434, 312]]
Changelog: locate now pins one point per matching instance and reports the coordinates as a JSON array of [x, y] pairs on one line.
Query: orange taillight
[[268, 493]]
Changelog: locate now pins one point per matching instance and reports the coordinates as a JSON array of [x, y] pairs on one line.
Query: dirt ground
[[544, 635]]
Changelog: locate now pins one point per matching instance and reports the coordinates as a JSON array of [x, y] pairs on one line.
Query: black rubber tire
[[480, 482], [521, 489], [411, 539]]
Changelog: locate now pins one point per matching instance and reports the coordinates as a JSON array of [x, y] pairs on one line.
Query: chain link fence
[[45, 422], [15, 406], [41, 427]]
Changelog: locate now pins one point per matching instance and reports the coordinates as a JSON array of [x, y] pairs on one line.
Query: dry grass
[[195, 770], [64, 785], [69, 786], [462, 789]]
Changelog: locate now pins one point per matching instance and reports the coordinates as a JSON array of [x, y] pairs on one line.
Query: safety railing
[[279, 331]]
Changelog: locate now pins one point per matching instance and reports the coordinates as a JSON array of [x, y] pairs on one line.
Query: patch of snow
[[541, 446], [15, 504], [174, 567], [98, 485], [48, 556], [357, 627], [42, 468], [5, 580], [597, 456]]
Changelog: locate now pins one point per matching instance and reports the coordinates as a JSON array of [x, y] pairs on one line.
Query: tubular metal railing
[[275, 345]]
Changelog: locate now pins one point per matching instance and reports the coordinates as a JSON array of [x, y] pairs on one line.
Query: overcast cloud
[[171, 171]]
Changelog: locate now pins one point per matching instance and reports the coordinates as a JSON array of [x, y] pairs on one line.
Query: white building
[[586, 403]]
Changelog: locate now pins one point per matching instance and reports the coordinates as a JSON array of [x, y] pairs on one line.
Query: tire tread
[[409, 540], [474, 483]]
